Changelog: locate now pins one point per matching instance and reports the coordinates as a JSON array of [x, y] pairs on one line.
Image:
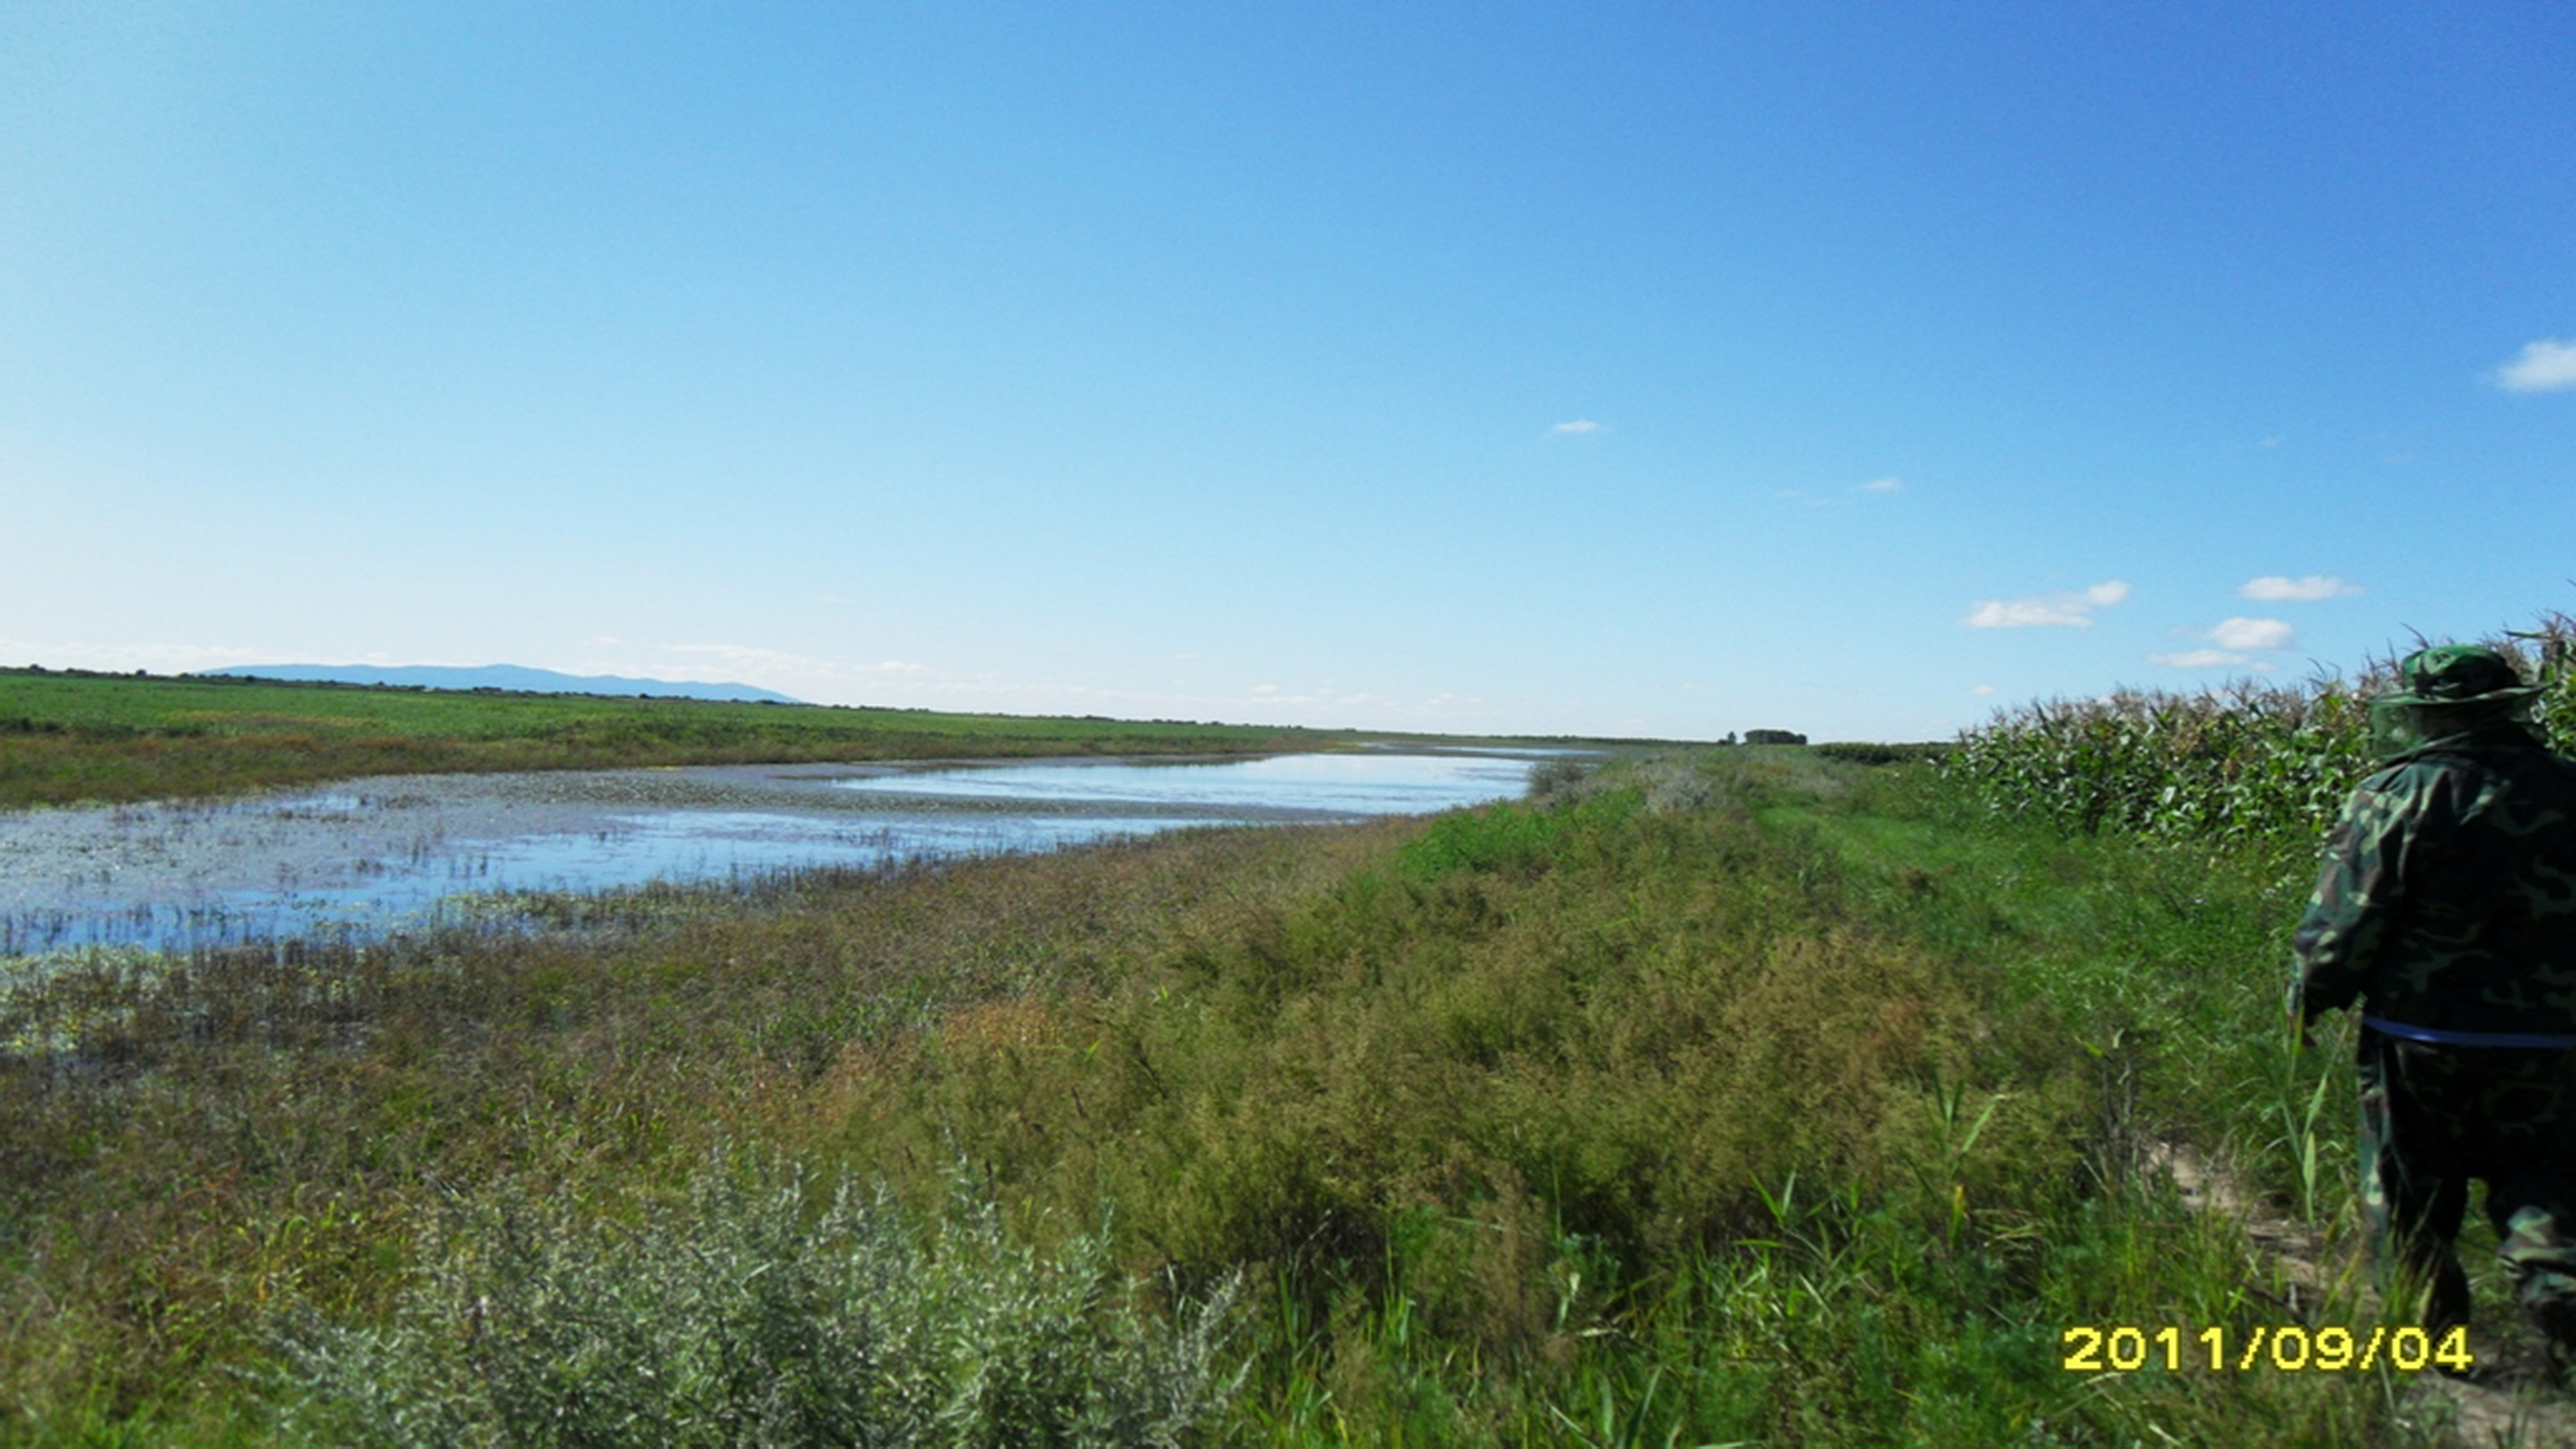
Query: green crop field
[[72, 736]]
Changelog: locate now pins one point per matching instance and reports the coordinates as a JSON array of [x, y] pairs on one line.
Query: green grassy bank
[[1741, 1096], [66, 735]]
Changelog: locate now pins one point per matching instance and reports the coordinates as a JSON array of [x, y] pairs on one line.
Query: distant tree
[[1774, 737]]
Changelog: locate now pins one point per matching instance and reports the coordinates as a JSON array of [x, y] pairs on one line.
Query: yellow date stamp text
[[2285, 1348]]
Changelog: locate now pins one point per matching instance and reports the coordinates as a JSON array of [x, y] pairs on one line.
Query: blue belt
[[2535, 1041]]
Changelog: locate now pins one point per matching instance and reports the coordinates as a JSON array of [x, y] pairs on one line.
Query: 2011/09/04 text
[[2288, 1348]]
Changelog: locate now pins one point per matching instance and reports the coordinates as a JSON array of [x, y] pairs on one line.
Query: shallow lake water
[[381, 855]]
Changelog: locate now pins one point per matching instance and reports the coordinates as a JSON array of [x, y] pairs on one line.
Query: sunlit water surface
[[1351, 785], [379, 856]]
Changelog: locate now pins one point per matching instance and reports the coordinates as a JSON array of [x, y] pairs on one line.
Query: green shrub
[[752, 1318], [1508, 839], [1559, 776], [1865, 753]]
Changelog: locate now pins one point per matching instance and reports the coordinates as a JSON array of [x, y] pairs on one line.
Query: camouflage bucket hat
[[2446, 692], [2457, 674]]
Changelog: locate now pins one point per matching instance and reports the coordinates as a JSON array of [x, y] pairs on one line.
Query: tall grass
[[750, 1314], [189, 1143]]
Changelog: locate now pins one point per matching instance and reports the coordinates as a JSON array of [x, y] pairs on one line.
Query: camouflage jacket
[[2448, 899]]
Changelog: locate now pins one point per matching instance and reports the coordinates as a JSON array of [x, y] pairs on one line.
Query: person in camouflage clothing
[[2447, 908]]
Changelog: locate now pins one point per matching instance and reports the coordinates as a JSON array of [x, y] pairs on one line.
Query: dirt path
[[2512, 1401]]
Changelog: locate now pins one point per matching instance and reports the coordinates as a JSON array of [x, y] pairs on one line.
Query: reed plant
[[191, 1142]]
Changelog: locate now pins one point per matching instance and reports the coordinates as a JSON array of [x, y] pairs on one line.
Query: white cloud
[[2274, 587], [1577, 428], [2026, 613], [2544, 366], [1981, 689], [2207, 659], [2071, 610], [2252, 634], [1889, 484]]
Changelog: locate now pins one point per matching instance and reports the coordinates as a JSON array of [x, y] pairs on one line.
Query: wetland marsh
[[1716, 1095], [369, 856]]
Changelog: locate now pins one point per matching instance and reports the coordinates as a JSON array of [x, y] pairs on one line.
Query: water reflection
[[1351, 785], [375, 856]]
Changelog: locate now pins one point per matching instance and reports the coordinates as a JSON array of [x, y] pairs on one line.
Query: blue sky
[[1666, 369]]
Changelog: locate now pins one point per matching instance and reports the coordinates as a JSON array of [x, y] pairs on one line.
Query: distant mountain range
[[499, 676]]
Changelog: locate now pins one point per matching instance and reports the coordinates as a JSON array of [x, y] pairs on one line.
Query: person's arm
[[2346, 926]]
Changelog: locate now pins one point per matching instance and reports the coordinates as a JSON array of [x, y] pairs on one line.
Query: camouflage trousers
[[2434, 1117]]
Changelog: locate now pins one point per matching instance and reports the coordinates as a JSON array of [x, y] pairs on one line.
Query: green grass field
[[71, 736]]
